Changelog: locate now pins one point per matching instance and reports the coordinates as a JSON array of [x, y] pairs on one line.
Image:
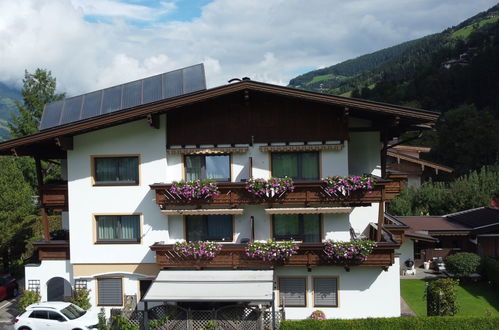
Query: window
[[118, 228], [34, 285], [39, 314], [116, 170], [211, 167], [300, 227], [110, 292], [56, 316], [144, 285], [296, 165], [326, 292], [292, 292], [80, 284], [209, 228]]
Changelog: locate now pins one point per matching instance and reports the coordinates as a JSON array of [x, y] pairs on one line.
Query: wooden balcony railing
[[52, 250], [306, 192], [54, 196], [234, 256]]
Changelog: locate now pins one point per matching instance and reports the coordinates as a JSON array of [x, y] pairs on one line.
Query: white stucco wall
[[47, 270], [362, 292], [86, 200], [364, 153], [406, 251]]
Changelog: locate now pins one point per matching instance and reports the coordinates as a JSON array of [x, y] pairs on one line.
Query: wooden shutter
[[110, 292], [326, 292], [292, 291]]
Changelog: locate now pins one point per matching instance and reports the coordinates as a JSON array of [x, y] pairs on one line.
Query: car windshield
[[73, 312]]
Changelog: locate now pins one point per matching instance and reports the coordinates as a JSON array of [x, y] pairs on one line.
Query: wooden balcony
[[52, 250], [233, 256], [306, 193], [54, 196]]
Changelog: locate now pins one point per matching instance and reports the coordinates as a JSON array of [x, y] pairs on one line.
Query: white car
[[56, 315]]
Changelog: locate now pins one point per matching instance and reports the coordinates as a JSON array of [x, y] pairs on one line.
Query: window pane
[[325, 292], [285, 164], [196, 228], [311, 228], [110, 291], [292, 291], [130, 227], [111, 170], [309, 166], [193, 166], [286, 226], [107, 227], [219, 227], [218, 167]]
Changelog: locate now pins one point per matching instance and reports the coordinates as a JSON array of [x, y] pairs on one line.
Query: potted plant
[[194, 190], [271, 251], [271, 188], [353, 251], [198, 250], [344, 186], [317, 315]]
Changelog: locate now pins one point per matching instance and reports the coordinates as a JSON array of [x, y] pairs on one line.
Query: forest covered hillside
[[8, 98]]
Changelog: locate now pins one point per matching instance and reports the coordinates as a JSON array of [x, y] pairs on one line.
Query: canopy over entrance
[[212, 285]]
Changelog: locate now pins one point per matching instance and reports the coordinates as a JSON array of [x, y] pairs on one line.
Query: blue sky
[[93, 44]]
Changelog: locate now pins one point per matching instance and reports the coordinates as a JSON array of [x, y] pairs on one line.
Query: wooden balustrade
[[234, 256], [305, 192], [54, 196], [52, 250]]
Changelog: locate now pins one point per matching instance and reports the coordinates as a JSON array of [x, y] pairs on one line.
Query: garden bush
[[462, 264], [413, 323], [441, 297], [29, 297], [491, 270], [81, 299]]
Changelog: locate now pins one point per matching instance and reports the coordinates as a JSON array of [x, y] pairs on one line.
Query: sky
[[93, 44]]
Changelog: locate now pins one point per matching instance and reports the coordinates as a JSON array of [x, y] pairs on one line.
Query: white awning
[[212, 285], [202, 211], [308, 210]]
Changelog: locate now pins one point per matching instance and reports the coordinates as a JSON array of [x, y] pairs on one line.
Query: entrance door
[[57, 289]]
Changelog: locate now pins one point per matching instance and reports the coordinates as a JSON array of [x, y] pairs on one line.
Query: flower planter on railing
[[194, 190], [342, 187], [198, 250], [348, 252], [273, 188], [271, 251]]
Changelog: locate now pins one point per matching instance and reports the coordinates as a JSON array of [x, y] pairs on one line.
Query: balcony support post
[[381, 216], [39, 179]]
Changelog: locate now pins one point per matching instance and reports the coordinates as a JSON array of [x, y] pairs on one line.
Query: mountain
[[8, 98], [391, 63]]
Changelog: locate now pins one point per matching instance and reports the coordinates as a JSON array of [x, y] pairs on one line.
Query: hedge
[[413, 323], [491, 269]]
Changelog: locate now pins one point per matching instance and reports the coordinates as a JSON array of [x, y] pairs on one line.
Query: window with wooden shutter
[[110, 291], [326, 292], [292, 292]]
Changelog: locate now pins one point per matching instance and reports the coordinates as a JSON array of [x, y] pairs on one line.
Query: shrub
[[491, 270], [396, 323], [102, 325], [441, 297], [29, 297], [348, 251], [462, 264], [81, 299]]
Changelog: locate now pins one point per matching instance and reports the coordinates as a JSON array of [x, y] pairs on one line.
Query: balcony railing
[[54, 196], [234, 256], [52, 250], [305, 192]]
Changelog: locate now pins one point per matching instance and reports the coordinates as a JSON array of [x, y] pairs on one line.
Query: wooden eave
[[31, 144], [419, 161]]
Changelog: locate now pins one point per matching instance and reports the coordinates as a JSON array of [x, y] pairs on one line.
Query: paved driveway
[[8, 310]]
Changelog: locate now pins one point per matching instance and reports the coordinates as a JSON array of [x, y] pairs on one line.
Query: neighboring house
[[405, 159], [121, 148], [428, 237]]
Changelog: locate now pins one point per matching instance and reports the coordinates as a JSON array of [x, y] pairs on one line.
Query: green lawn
[[466, 31], [476, 299]]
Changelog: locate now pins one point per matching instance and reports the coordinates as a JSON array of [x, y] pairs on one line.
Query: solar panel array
[[125, 96]]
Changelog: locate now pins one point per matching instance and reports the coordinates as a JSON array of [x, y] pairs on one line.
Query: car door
[[57, 321]]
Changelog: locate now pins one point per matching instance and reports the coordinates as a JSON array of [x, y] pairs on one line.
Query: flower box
[[194, 190], [344, 186], [271, 251], [198, 250], [348, 252], [272, 188]]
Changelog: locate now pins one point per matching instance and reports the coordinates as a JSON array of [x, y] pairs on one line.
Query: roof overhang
[[212, 285], [30, 145]]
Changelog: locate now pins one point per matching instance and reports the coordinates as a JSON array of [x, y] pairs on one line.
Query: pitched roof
[[44, 140], [432, 224], [476, 218], [412, 159]]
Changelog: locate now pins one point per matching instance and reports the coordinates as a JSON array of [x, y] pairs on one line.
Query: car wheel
[[24, 328]]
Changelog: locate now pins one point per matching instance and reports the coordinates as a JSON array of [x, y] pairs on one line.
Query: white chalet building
[[121, 148]]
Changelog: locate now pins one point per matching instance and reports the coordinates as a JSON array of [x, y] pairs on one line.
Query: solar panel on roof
[[124, 97]]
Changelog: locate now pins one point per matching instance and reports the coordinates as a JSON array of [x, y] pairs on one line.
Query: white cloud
[[265, 40]]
